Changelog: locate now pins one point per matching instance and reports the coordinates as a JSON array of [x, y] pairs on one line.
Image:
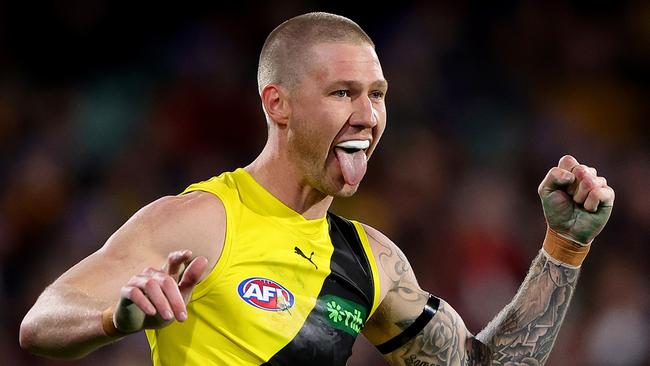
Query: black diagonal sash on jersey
[[319, 342]]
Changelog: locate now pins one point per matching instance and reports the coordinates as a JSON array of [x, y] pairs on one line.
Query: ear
[[276, 103]]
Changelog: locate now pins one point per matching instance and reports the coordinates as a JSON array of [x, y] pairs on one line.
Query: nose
[[364, 113]]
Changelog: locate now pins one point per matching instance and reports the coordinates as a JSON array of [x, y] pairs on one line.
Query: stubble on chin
[[346, 192], [314, 167]]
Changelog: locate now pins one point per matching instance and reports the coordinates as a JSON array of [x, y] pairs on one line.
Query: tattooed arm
[[524, 331]]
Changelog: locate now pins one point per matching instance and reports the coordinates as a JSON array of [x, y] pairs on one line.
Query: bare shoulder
[[400, 295], [194, 221], [442, 339], [392, 264], [170, 209]]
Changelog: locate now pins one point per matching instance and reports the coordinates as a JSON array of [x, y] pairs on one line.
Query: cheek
[[326, 122], [334, 115], [309, 139], [318, 122]]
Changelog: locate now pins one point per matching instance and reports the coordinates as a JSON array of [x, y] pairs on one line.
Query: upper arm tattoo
[[404, 284], [444, 341], [522, 334], [404, 299]]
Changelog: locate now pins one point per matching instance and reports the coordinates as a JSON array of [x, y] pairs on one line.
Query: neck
[[274, 172]]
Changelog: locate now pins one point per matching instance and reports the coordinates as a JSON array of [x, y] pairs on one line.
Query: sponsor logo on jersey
[[344, 314], [265, 294]]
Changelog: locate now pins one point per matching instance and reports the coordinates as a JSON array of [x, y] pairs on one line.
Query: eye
[[341, 93], [377, 94]]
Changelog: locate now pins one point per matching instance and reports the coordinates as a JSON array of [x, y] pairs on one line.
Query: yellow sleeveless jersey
[[285, 291]]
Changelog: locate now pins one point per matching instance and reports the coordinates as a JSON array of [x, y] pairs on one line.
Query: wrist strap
[[108, 325], [563, 250]]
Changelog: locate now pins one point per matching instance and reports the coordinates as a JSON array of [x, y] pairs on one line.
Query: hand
[[154, 298], [577, 203]]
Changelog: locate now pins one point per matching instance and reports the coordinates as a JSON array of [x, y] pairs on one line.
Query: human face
[[338, 100]]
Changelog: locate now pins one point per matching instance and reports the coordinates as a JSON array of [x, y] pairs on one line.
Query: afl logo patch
[[265, 294]]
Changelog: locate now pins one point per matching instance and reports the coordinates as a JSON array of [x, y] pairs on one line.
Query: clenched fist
[[577, 202]]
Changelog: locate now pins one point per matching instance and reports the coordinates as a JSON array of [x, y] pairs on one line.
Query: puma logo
[[300, 253]]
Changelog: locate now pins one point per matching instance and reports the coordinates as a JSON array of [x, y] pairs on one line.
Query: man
[[249, 267]]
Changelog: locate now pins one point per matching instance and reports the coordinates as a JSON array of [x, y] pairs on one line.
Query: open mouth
[[352, 159], [353, 146]]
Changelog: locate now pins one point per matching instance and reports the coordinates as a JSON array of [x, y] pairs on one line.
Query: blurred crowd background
[[107, 105]]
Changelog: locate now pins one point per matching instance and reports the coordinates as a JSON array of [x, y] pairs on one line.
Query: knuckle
[[604, 194], [566, 158], [129, 292], [555, 171], [140, 280], [579, 170], [160, 277], [588, 184], [133, 281], [168, 281], [150, 283]]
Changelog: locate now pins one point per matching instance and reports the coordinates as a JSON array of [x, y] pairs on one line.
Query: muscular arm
[[66, 320], [526, 329], [577, 204], [523, 332]]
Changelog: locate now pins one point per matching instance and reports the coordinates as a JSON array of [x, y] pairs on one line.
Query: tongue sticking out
[[353, 165]]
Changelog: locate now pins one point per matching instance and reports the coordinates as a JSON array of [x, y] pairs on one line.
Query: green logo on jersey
[[344, 314]]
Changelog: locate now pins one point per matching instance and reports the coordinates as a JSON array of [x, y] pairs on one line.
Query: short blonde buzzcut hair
[[284, 53]]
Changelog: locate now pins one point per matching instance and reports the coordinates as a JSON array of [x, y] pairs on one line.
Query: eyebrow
[[378, 84]]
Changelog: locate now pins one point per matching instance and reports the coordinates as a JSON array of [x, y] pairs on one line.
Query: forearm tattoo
[[522, 334]]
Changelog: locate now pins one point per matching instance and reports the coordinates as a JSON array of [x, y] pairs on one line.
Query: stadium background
[[107, 105]]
